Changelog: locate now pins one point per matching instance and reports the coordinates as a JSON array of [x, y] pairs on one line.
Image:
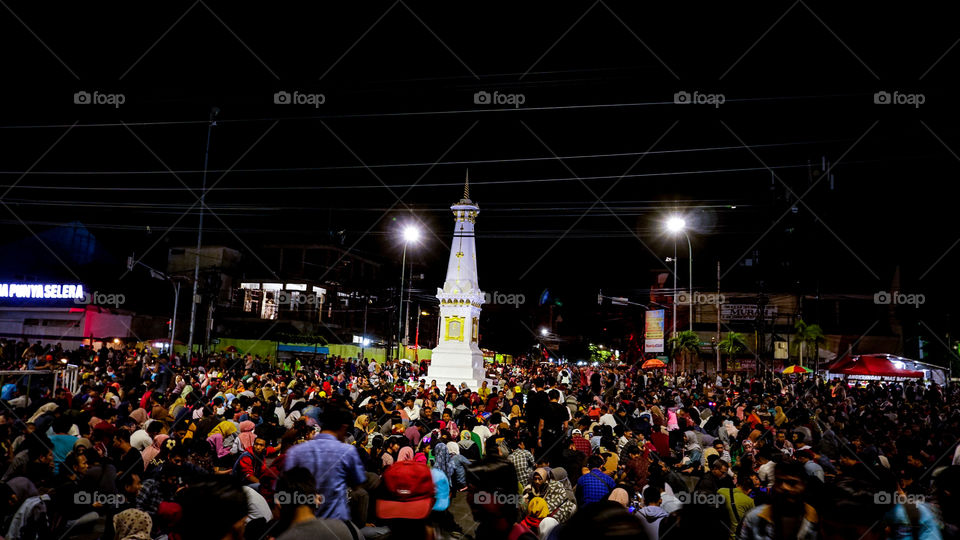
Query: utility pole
[[363, 338], [718, 317], [196, 267]]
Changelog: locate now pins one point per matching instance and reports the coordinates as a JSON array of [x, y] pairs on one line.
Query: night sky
[[573, 185]]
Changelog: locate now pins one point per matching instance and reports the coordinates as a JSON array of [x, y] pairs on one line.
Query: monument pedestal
[[457, 366]]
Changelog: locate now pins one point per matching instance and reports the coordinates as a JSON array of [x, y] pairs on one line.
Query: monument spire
[[457, 357]]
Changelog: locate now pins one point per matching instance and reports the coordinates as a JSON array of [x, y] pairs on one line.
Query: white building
[[457, 358]]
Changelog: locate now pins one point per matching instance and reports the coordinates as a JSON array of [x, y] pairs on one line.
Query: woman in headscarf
[[537, 509], [246, 437], [222, 453], [620, 496], [140, 416], [362, 427], [443, 461], [692, 453], [542, 485], [780, 417], [468, 448], [44, 409], [132, 524], [152, 451], [406, 454]]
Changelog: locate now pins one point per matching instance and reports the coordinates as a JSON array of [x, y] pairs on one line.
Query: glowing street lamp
[[677, 225], [410, 234]]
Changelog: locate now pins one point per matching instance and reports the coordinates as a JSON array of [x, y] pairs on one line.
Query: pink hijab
[[406, 454], [246, 437], [153, 450], [216, 441], [139, 415]]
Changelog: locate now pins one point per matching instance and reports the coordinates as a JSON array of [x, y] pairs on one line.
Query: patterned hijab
[[443, 461], [133, 524]]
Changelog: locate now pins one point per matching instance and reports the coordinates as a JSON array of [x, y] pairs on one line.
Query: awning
[[873, 366]]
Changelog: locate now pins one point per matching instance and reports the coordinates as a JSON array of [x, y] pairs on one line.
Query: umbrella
[[796, 368], [653, 363]]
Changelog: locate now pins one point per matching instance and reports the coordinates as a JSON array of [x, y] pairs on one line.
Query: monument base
[[457, 367]]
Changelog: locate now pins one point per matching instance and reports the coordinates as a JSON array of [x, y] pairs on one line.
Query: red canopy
[[872, 365]]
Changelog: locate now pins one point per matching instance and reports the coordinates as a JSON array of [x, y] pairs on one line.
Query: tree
[[598, 354], [808, 336], [732, 345], [684, 343]]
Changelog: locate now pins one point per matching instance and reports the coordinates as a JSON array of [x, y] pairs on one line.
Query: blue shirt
[[62, 445], [596, 486], [8, 390], [335, 466]]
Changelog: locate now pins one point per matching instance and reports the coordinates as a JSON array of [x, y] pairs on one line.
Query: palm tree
[[808, 336], [732, 345], [683, 343]]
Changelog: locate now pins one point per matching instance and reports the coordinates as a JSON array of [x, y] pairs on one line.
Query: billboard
[[653, 331], [745, 312]]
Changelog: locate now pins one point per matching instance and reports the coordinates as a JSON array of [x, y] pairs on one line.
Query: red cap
[[408, 491]]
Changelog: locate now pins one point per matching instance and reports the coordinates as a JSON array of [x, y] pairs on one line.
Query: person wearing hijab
[[152, 451], [406, 454], [247, 436], [537, 509], [543, 486], [692, 453], [780, 417], [132, 524], [620, 496], [140, 416]]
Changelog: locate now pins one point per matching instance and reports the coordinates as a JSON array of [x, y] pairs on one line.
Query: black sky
[[598, 79]]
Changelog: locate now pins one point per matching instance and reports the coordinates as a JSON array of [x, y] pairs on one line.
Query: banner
[[745, 312], [653, 331]]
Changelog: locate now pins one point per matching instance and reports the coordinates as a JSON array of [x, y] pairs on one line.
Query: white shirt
[[413, 412], [608, 420], [765, 472]]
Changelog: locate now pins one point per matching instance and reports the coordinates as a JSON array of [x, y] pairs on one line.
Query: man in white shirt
[[765, 472], [609, 419], [412, 409]]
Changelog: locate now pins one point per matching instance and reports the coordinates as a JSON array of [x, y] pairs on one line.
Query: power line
[[419, 113], [436, 184], [425, 164]]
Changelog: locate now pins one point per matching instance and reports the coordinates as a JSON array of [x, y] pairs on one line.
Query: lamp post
[[410, 234], [678, 225], [196, 268]]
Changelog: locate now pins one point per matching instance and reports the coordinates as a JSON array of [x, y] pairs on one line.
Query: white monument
[[457, 358]]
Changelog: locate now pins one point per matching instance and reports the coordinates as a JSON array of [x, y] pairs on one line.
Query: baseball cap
[[408, 491]]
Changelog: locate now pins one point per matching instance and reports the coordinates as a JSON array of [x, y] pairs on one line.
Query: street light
[[410, 234], [544, 331], [675, 225]]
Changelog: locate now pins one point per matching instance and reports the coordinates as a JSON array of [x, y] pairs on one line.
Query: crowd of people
[[239, 447]]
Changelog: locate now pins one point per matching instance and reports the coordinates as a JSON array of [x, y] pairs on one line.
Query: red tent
[[872, 366]]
